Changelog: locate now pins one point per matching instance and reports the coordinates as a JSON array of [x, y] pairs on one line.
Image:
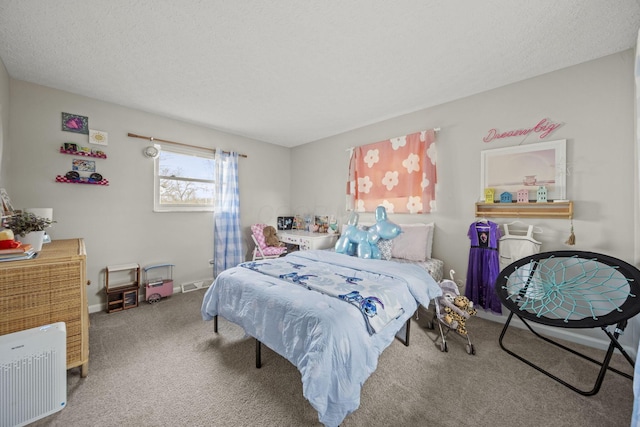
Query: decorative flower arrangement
[[25, 222]]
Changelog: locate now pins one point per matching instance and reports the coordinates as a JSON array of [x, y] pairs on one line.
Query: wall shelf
[[100, 155], [526, 210], [65, 180]]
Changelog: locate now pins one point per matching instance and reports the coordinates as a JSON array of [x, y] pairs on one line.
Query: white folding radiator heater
[[33, 374]]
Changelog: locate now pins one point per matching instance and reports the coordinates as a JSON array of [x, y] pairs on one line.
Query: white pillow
[[431, 226], [414, 243]]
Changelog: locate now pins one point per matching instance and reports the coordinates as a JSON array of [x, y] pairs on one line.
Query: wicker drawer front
[[64, 300], [41, 278], [20, 323], [17, 281], [16, 307]]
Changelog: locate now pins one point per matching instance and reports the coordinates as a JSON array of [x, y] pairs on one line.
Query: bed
[[330, 339]]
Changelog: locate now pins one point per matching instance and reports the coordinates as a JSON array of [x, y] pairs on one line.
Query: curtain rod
[[436, 130], [151, 138]]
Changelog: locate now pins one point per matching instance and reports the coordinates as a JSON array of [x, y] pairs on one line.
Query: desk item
[[571, 289], [308, 240], [285, 222]]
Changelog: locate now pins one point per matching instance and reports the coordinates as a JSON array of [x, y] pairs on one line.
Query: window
[[184, 179]]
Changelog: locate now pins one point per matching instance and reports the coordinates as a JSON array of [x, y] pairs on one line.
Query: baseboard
[[558, 333], [97, 307]]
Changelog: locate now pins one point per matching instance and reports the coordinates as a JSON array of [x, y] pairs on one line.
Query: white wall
[[117, 221], [594, 100], [4, 121]]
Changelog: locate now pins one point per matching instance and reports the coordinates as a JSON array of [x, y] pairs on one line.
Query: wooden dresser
[[50, 288]]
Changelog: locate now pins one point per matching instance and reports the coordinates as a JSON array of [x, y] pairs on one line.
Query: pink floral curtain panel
[[399, 174]]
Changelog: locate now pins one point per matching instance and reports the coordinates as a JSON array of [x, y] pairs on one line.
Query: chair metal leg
[[604, 365]]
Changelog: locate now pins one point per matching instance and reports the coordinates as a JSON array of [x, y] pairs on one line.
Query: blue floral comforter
[[331, 340]]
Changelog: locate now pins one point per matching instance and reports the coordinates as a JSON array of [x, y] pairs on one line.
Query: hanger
[[535, 228], [482, 224]]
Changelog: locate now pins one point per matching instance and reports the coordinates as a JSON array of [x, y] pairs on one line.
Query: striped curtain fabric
[[227, 238]]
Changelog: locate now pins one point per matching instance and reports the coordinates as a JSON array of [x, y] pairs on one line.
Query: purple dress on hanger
[[484, 265]]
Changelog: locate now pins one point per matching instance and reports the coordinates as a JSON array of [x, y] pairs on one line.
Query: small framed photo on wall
[[75, 123], [83, 165]]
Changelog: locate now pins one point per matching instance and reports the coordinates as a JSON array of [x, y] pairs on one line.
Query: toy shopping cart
[[158, 282], [451, 314]]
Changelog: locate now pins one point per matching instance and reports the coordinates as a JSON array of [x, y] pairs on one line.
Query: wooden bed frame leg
[[215, 323], [258, 358]]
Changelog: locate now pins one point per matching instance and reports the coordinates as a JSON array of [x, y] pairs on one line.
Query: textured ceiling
[[288, 71]]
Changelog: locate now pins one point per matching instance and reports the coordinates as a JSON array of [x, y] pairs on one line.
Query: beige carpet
[[162, 365]]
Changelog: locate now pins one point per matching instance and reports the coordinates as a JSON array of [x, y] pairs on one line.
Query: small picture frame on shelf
[[7, 207], [321, 224], [285, 222], [298, 222], [70, 146]]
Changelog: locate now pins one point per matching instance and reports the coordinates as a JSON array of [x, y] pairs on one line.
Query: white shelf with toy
[[559, 209]]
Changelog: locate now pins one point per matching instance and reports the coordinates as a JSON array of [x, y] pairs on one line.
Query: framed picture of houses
[[530, 166]]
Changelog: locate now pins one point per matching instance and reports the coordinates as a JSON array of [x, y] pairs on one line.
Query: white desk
[[308, 240]]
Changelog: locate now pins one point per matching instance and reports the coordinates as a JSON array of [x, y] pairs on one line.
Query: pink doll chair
[[261, 250]]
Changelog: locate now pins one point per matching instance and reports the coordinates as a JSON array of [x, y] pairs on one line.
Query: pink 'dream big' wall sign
[[544, 128]]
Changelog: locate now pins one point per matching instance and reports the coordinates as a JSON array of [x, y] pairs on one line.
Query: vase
[[34, 239]]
